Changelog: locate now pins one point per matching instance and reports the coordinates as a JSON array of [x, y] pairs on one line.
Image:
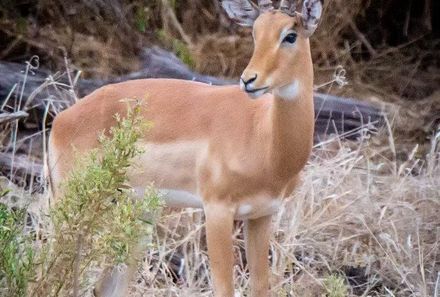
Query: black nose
[[246, 82]]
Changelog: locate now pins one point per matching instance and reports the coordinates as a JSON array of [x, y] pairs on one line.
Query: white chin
[[255, 95]]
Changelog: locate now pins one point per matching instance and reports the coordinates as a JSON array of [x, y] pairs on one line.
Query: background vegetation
[[389, 49], [365, 220]]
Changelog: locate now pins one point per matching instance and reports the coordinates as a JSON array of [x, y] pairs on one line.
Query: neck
[[292, 118]]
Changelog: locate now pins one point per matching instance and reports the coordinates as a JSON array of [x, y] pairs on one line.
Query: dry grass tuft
[[359, 215], [353, 215], [224, 54], [366, 212]]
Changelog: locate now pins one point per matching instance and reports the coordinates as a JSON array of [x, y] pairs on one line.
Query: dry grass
[[367, 211], [362, 212], [352, 215]]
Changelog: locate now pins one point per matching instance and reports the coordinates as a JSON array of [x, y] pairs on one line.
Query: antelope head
[[281, 55]]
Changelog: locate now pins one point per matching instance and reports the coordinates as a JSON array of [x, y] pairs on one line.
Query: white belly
[[257, 207], [172, 169], [250, 208], [168, 165]]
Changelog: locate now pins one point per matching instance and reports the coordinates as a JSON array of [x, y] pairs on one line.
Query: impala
[[214, 147]]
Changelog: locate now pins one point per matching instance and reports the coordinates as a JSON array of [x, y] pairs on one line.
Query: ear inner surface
[[311, 12]]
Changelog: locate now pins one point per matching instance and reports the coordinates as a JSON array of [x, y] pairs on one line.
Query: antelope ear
[[310, 15], [243, 12]]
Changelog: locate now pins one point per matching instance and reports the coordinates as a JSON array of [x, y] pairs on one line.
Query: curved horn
[[287, 7], [265, 5]]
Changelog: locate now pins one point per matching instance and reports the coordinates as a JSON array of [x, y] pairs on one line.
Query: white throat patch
[[288, 92]]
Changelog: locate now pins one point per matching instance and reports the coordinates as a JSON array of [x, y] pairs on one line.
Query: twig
[[437, 286], [175, 22], [8, 117], [22, 163], [362, 38], [76, 265]]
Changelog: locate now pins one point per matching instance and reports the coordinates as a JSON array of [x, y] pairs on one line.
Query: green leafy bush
[[98, 222], [179, 47], [335, 287], [16, 254]]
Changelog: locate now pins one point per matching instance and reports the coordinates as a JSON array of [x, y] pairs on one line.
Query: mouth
[[254, 93]]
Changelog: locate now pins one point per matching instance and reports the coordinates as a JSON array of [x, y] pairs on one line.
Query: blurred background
[[390, 49], [369, 208]]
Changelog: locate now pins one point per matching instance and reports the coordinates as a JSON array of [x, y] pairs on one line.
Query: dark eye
[[290, 38]]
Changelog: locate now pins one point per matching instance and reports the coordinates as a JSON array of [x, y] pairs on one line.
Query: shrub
[[16, 254], [97, 222], [335, 287]]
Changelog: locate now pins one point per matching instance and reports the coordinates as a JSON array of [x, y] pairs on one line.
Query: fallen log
[[16, 82], [19, 167]]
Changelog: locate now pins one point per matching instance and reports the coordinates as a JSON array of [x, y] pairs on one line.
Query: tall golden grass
[[367, 211], [356, 214]]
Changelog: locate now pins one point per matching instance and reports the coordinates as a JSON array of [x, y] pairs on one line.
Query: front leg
[[219, 226], [257, 234]]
